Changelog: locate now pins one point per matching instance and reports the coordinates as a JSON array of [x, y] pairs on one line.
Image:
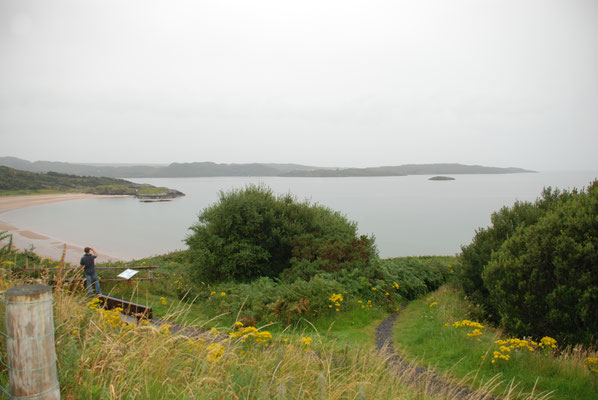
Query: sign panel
[[127, 273]]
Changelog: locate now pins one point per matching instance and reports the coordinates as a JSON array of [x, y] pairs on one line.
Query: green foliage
[[264, 300], [416, 275], [112, 189], [486, 241], [152, 190], [383, 284], [5, 248], [534, 270], [253, 233], [544, 279]]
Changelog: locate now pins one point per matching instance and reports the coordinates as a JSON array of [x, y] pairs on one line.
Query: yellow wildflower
[[474, 333], [215, 352], [547, 341], [165, 329], [591, 363], [94, 304], [305, 340]]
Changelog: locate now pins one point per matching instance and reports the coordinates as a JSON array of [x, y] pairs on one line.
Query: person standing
[[88, 262]]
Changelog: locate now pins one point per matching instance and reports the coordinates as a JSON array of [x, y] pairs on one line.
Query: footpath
[[429, 380]]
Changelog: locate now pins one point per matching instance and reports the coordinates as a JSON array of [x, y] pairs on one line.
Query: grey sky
[[319, 82]]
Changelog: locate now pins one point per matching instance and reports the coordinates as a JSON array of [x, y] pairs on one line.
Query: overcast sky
[[318, 82]]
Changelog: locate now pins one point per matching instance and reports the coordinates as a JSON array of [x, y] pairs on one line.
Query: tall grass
[[101, 357]]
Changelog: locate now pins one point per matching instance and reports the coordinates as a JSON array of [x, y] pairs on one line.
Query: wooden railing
[[150, 276]]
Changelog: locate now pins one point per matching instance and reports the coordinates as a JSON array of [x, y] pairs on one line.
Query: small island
[[441, 178]]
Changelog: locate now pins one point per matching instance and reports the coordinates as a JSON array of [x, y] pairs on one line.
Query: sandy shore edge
[[46, 246]]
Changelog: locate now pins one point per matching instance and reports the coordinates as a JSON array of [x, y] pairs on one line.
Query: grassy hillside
[[101, 357], [328, 356], [13, 181]]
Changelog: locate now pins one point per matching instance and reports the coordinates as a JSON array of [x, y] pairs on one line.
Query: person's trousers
[[93, 278]]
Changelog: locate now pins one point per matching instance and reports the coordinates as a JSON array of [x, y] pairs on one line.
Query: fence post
[[30, 348]]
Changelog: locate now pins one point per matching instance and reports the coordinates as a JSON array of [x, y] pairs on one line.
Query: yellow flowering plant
[[507, 346], [591, 364], [336, 301]]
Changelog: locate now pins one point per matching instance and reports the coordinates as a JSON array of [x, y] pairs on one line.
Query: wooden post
[[30, 349]]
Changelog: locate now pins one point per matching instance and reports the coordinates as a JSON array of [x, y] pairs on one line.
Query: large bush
[[535, 270], [486, 241], [544, 279], [253, 233]]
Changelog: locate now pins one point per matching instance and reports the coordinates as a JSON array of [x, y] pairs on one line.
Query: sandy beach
[[45, 246]]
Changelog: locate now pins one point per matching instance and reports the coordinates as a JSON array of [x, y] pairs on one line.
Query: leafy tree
[[253, 233]]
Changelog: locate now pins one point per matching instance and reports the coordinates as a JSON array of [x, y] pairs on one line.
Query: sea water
[[408, 215]]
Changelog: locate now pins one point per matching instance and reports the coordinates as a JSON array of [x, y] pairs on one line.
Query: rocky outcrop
[[441, 178]]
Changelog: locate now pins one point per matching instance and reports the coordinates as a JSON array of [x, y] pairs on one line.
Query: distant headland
[[210, 169], [17, 182]]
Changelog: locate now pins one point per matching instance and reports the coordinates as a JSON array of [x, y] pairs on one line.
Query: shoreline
[[45, 246]]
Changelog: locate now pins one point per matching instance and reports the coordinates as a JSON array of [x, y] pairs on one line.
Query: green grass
[[144, 190], [421, 335], [26, 192]]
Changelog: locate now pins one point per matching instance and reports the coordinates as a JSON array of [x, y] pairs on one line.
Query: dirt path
[[432, 382]]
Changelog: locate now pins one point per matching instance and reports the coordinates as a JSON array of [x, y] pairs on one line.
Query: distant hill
[[14, 180], [210, 169], [410, 169], [343, 172], [196, 169]]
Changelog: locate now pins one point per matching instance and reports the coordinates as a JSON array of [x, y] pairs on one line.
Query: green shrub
[[265, 299], [486, 241], [416, 275], [505, 222], [544, 278], [253, 233]]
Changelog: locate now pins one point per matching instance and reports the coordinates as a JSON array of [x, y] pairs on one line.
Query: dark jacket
[[88, 260]]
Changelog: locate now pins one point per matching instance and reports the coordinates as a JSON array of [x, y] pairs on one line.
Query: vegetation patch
[[253, 233], [534, 270], [444, 331]]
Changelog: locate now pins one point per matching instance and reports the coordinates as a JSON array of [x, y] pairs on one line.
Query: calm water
[[408, 215]]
